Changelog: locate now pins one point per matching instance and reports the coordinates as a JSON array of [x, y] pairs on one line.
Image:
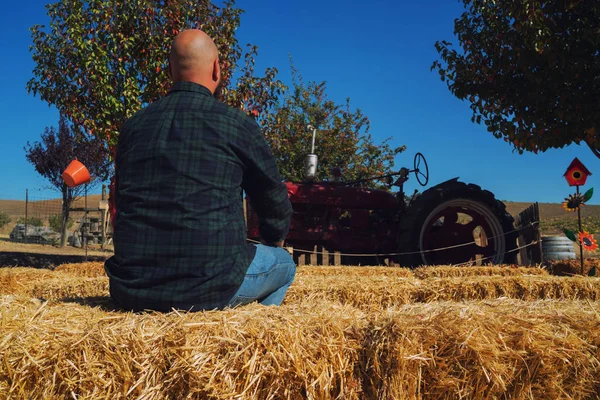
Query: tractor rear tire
[[423, 217]]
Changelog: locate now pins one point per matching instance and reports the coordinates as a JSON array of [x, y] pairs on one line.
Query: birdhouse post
[[576, 175]]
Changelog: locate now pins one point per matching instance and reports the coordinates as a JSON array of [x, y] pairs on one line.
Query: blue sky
[[378, 53]]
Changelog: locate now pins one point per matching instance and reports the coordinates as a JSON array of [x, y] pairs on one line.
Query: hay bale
[[252, 352], [499, 349], [365, 292], [573, 267], [17, 279], [377, 292], [450, 271], [68, 288], [53, 287], [89, 269], [353, 271], [534, 287], [495, 349]]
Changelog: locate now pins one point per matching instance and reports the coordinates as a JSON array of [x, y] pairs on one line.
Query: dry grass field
[[41, 209], [342, 333]]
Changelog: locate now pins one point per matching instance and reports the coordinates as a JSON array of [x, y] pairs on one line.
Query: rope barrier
[[417, 252], [505, 253]]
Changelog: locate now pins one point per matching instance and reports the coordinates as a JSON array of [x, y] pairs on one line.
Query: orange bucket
[[76, 174]]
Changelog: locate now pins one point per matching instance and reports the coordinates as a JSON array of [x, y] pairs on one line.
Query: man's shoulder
[[235, 114], [139, 114]]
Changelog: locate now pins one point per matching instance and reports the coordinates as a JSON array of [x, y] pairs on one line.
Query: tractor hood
[[337, 195]]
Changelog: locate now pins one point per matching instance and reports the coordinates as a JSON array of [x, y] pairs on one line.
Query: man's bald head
[[194, 57]]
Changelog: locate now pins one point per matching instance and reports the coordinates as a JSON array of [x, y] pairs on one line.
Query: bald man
[[180, 168]]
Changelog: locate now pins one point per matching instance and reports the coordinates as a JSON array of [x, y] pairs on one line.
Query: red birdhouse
[[577, 173]]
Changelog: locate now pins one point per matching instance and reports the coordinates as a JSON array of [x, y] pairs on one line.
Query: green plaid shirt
[[179, 234]]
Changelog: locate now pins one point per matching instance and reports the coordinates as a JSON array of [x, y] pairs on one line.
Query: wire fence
[[38, 220]]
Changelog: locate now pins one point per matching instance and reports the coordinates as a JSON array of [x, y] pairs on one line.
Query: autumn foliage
[[100, 61], [529, 70]]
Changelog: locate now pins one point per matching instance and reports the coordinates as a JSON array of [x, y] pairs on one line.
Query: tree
[[529, 70], [102, 60], [58, 147], [343, 138]]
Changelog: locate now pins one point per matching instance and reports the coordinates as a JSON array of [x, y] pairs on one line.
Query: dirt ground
[[14, 254]]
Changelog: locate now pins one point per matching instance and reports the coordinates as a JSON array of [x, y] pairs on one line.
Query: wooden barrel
[[557, 248]]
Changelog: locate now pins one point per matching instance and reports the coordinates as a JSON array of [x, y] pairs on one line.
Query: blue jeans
[[268, 277]]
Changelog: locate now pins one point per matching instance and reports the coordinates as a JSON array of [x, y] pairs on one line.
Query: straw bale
[[89, 269], [353, 271], [69, 287], [376, 292], [55, 286], [495, 349], [15, 279], [516, 287], [501, 270], [316, 349], [573, 267], [365, 292], [251, 352]]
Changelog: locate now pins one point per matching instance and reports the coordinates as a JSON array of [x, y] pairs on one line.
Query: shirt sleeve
[[263, 185]]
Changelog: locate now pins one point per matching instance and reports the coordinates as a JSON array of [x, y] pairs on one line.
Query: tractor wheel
[[464, 220]]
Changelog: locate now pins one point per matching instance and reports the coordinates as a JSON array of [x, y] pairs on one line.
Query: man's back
[[179, 234]]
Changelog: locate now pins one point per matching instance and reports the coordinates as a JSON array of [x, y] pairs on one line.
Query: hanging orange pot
[[76, 174]]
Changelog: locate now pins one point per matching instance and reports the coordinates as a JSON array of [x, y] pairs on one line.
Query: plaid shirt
[[179, 234]]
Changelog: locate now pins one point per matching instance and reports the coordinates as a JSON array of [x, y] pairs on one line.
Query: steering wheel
[[422, 176]]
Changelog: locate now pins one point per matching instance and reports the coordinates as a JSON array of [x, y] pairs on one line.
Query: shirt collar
[[185, 86]]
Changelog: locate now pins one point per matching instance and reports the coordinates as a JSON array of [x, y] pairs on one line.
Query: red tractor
[[450, 223]]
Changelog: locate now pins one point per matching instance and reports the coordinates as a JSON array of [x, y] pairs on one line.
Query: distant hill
[[17, 207], [552, 210]]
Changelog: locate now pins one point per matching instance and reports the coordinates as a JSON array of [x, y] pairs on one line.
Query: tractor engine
[[340, 218]]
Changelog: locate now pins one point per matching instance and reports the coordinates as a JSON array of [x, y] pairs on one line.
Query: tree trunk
[[66, 205]]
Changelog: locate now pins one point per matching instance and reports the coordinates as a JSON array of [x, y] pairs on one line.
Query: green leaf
[[592, 272], [570, 234], [588, 195]]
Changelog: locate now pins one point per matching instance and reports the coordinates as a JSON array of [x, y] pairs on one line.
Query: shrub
[[55, 222], [31, 221], [4, 219]]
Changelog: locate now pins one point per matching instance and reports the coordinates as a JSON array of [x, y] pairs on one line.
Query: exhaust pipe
[[310, 166]]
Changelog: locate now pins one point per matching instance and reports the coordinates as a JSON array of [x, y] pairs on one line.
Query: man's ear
[[216, 75]]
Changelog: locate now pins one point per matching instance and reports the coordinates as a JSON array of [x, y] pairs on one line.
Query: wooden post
[[26, 212], [325, 253], [337, 258], [528, 223], [302, 259], [313, 256]]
